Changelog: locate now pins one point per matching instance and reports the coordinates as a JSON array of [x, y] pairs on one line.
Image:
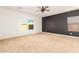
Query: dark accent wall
[[58, 23]]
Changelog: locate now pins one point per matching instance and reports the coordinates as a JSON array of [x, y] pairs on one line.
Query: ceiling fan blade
[[47, 10], [45, 7]]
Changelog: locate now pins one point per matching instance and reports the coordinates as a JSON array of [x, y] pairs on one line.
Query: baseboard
[[16, 36]]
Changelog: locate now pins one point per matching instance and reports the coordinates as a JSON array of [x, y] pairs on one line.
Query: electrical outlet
[[70, 33]]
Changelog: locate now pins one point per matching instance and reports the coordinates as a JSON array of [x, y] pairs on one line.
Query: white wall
[[10, 23]]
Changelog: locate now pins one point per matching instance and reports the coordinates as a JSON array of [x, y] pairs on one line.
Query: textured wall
[[10, 23], [58, 23]]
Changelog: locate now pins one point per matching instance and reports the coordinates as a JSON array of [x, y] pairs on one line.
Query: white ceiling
[[34, 10]]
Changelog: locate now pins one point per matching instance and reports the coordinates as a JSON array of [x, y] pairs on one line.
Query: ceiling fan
[[43, 8]]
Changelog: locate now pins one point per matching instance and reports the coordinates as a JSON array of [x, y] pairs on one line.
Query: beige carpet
[[41, 42]]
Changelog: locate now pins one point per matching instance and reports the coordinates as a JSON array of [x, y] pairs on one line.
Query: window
[[73, 24]]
